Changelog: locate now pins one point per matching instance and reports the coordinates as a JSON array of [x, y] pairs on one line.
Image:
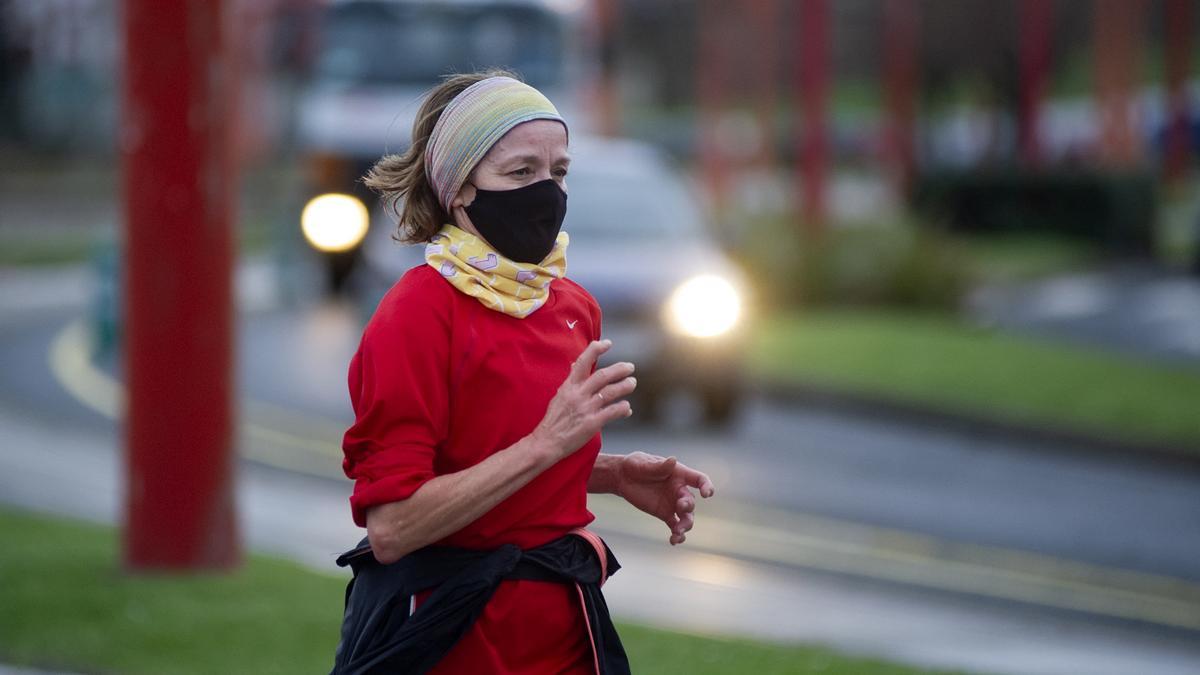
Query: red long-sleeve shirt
[[438, 384]]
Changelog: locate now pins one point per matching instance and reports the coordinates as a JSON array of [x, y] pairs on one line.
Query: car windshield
[[416, 43], [618, 205]]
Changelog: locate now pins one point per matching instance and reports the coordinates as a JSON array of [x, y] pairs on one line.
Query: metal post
[[1036, 28], [178, 190], [813, 89]]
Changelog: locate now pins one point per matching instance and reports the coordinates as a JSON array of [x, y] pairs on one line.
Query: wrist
[[543, 452], [606, 475]]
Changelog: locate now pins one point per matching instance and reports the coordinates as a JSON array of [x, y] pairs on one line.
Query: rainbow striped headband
[[472, 123]]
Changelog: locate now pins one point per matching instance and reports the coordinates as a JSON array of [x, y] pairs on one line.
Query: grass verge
[[65, 604], [1018, 257], [57, 248], [940, 363], [45, 249]]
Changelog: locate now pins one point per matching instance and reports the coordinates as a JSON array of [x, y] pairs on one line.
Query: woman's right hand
[[585, 402]]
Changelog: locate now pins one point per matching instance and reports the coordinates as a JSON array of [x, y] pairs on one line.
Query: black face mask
[[520, 224]]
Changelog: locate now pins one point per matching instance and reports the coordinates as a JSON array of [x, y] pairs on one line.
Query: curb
[[1050, 437]]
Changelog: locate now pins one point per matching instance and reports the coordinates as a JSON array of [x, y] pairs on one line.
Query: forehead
[[535, 137]]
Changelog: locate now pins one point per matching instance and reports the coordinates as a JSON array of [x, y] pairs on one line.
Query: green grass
[[654, 651], [64, 603], [45, 249], [940, 363], [1017, 257], [24, 248], [1177, 237]]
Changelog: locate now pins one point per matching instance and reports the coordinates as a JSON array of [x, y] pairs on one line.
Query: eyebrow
[[533, 159]]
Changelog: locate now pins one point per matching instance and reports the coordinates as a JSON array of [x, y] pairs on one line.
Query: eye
[[560, 173], [520, 173]]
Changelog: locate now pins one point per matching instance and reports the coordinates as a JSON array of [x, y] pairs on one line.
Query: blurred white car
[[673, 303]]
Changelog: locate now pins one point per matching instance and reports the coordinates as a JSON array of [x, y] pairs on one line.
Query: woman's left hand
[[660, 486]]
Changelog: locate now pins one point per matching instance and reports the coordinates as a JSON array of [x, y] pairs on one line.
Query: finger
[[617, 390], [615, 411], [582, 366], [678, 539], [686, 521], [672, 523], [608, 375], [661, 469], [685, 504], [698, 480]]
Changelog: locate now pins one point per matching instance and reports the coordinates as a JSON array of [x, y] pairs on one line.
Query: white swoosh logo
[[571, 324]]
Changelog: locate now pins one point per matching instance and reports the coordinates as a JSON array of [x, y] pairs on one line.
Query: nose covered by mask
[[521, 224]]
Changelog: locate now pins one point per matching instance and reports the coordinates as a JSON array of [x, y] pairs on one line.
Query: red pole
[[900, 82], [1036, 27], [1116, 33], [765, 15], [1179, 25], [178, 184], [710, 94], [813, 87], [607, 100]]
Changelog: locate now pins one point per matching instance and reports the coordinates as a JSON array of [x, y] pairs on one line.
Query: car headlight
[[704, 306], [334, 222]]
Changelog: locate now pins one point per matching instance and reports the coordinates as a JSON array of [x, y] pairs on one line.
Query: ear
[[466, 195]]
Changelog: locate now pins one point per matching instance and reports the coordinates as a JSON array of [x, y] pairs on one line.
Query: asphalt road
[[914, 544], [953, 486], [1140, 311]]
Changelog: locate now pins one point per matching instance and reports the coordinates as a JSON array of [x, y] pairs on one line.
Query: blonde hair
[[401, 180]]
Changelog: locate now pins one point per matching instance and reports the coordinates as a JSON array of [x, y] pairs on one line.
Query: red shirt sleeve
[[399, 392]]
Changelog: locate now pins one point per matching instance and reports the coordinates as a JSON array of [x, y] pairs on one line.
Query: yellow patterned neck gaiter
[[517, 289]]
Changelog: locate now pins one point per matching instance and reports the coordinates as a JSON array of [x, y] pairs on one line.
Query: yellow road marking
[[70, 362], [792, 539]]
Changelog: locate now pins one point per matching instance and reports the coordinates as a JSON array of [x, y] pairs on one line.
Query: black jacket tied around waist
[[379, 636]]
